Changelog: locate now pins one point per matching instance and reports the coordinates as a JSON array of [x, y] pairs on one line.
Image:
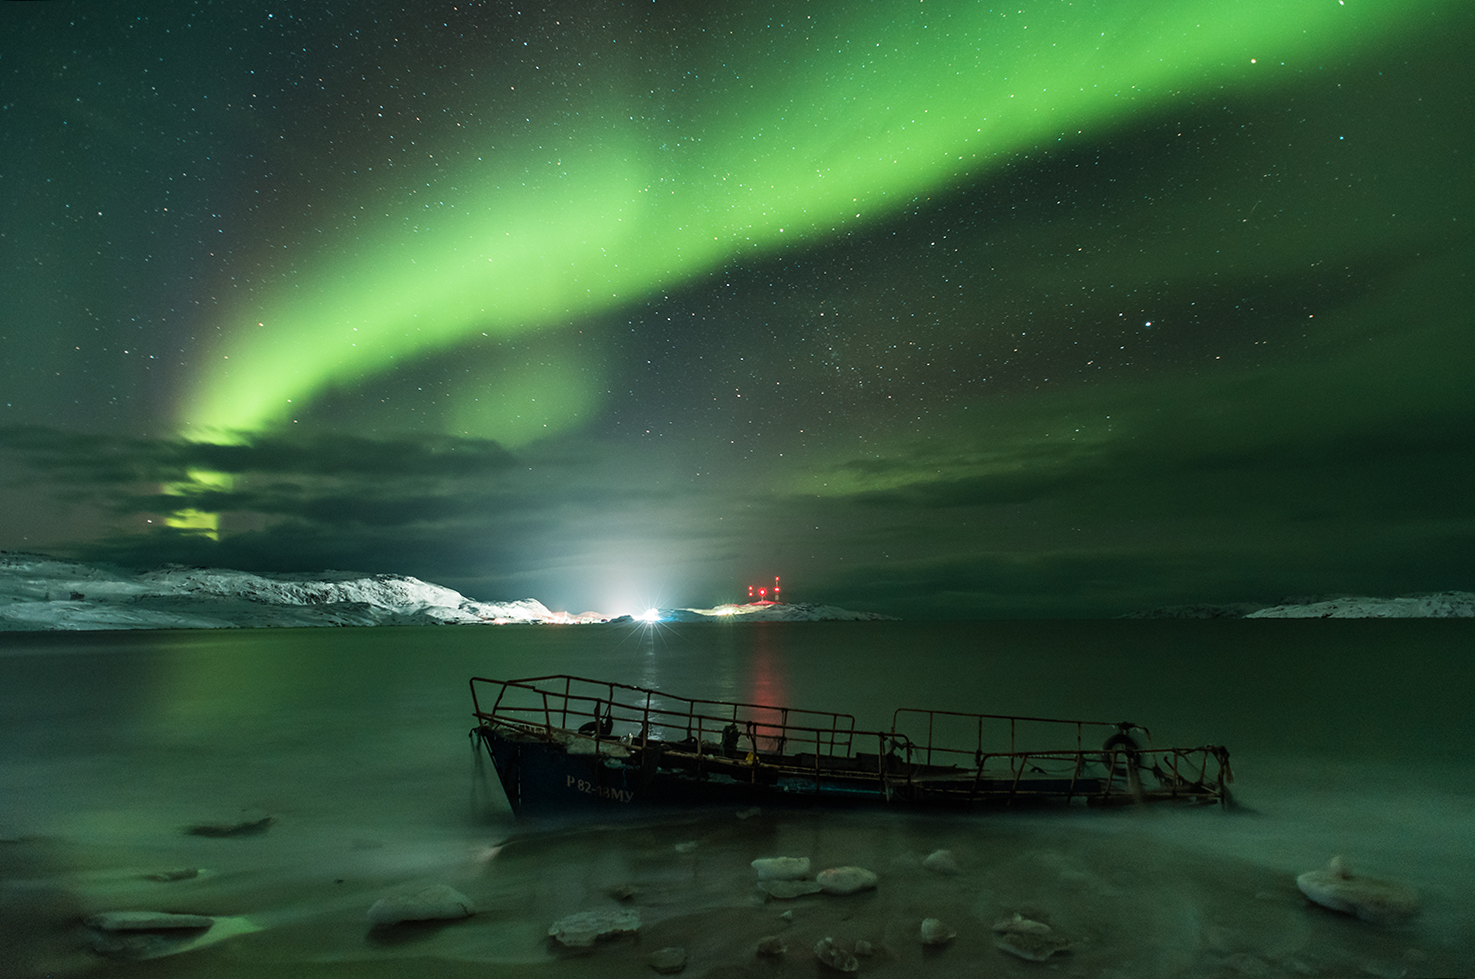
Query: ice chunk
[[781, 868], [668, 961], [587, 927], [941, 861], [786, 889], [836, 956], [1372, 900], [934, 932], [436, 902], [846, 880], [146, 921]]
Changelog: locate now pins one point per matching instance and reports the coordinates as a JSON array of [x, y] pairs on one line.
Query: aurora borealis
[[932, 308]]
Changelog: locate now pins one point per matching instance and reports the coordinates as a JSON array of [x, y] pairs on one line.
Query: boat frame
[[564, 742]]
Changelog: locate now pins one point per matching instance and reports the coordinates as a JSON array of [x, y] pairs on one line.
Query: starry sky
[[934, 308]]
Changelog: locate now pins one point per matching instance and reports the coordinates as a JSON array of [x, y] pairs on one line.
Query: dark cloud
[[103, 459]]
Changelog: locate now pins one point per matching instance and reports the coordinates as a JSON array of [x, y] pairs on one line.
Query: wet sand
[[1126, 888]]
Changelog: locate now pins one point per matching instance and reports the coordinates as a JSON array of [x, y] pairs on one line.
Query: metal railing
[[942, 754], [560, 703], [911, 722]]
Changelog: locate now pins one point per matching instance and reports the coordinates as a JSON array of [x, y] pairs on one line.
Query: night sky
[[939, 309]]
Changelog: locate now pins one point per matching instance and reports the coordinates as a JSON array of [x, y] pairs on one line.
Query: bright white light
[[650, 615]]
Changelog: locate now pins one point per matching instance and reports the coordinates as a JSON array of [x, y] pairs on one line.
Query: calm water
[[1346, 737]]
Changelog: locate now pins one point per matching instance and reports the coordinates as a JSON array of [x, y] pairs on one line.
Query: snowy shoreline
[[40, 593], [1439, 605]]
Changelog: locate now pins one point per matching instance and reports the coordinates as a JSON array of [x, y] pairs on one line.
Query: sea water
[[1347, 738]]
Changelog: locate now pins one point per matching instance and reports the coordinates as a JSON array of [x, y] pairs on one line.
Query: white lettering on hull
[[602, 791]]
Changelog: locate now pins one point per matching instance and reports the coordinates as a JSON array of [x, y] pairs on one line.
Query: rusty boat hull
[[562, 744]]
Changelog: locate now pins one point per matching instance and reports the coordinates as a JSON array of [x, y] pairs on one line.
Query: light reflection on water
[[1345, 737]]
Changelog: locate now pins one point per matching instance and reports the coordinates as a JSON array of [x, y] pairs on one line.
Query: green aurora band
[[789, 132]]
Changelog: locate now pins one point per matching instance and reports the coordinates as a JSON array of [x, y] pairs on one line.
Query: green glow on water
[[842, 119]]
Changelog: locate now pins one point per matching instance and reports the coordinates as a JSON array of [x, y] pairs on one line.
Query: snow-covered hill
[[43, 593], [1443, 605], [39, 593]]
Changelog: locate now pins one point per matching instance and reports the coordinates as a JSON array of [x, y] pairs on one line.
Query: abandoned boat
[[564, 742]]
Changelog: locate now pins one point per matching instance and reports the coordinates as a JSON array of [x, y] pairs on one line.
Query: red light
[[756, 593]]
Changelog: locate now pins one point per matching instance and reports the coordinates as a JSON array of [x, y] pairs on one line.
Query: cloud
[[102, 459], [299, 492]]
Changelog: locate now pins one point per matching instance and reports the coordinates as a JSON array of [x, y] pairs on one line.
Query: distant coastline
[[1436, 605], [40, 593]]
